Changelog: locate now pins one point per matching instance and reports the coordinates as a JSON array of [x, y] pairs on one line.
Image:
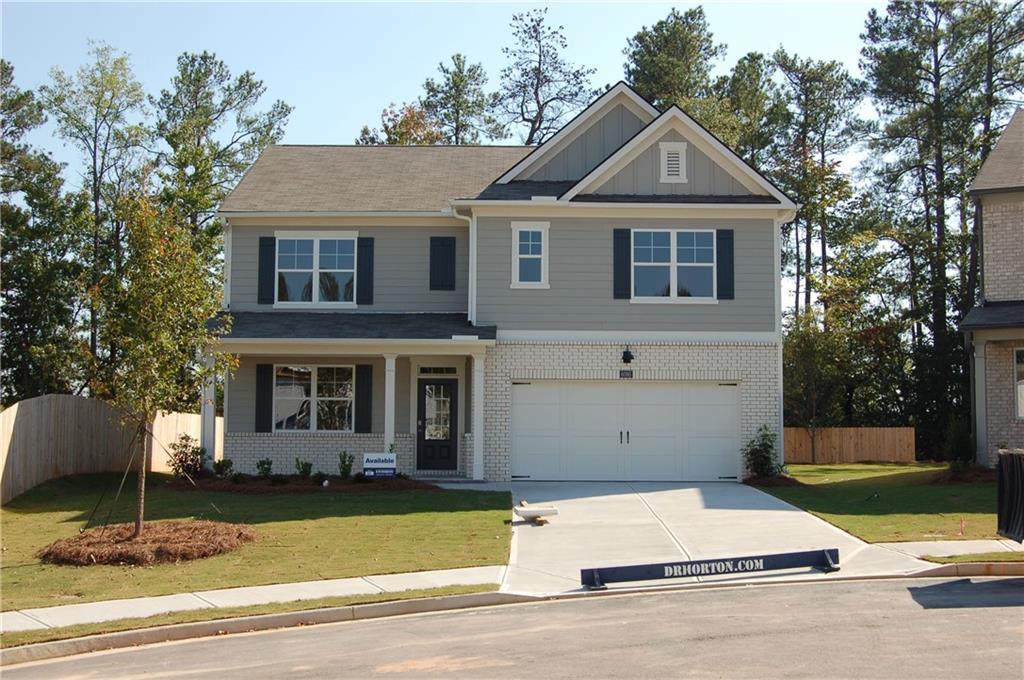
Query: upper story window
[[316, 270], [674, 266], [309, 398], [673, 162], [530, 254]]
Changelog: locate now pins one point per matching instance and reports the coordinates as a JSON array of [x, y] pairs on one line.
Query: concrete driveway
[[618, 523]]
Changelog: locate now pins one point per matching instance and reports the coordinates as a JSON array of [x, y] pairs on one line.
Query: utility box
[[1010, 500]]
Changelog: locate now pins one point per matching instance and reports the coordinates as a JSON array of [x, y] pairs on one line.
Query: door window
[[437, 416]]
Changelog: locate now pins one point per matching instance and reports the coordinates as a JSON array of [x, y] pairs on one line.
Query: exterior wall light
[[627, 356]]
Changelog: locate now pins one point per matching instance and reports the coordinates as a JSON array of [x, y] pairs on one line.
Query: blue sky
[[339, 64]]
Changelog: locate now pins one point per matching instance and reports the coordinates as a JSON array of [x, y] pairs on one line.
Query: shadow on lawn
[[79, 494]]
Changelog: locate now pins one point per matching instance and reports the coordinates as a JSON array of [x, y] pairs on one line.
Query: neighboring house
[[605, 306], [996, 325]]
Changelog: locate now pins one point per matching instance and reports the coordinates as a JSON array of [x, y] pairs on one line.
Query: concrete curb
[[975, 569], [245, 624]]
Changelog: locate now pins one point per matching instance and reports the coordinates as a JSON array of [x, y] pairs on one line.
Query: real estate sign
[[380, 464]]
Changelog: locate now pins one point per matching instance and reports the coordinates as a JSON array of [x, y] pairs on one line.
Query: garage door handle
[[627, 436], [620, 436]]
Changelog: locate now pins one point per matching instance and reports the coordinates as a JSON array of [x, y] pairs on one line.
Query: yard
[[893, 502], [302, 537]]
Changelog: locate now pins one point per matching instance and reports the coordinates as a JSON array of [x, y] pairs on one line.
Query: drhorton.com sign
[[825, 560]]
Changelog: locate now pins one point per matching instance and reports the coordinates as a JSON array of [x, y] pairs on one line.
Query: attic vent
[[673, 162]]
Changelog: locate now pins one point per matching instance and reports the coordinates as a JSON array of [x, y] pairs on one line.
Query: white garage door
[[640, 431]]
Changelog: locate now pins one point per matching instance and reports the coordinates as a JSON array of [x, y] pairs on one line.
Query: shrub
[[956, 442], [319, 478], [759, 454], [186, 457], [345, 461], [278, 480], [238, 478], [303, 467], [222, 468], [264, 467], [361, 478]]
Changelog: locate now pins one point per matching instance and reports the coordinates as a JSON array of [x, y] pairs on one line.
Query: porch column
[[478, 416], [981, 452], [389, 401], [208, 417]]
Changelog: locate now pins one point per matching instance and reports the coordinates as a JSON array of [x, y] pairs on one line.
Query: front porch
[[314, 398]]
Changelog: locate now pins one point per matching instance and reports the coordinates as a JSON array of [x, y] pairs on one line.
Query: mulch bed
[[781, 480], [165, 541], [297, 484], [964, 476]]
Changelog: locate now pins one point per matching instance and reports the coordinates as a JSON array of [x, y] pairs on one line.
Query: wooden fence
[[58, 434], [851, 445]]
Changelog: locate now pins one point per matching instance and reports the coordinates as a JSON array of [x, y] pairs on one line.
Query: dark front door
[[437, 425]]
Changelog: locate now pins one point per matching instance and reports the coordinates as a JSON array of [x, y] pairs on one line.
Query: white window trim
[[665, 148], [313, 398], [457, 362], [316, 237], [672, 264], [1017, 404], [545, 249]]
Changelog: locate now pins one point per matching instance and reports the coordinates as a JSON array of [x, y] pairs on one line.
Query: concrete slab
[[14, 621], [948, 548], [475, 486], [94, 612], [469, 576], [287, 592]]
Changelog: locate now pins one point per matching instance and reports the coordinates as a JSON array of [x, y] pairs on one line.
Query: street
[[927, 628]]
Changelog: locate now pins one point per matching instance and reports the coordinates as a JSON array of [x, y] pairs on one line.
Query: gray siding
[[588, 149], [580, 275], [401, 280], [641, 177], [241, 402]]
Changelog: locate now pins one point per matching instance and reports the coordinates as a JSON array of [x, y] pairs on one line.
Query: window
[[1018, 380], [438, 370], [674, 265], [530, 254], [314, 398], [314, 270], [673, 162]]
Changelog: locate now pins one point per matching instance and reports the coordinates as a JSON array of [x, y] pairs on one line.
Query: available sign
[[380, 464], [826, 560]]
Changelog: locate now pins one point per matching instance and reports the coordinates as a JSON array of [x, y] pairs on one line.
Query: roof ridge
[[413, 146]]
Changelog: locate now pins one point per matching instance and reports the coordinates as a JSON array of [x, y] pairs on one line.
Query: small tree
[[458, 104], [407, 125], [159, 311]]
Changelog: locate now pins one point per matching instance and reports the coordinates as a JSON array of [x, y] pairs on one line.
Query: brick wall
[[1002, 423], [320, 448], [1003, 219], [753, 365]]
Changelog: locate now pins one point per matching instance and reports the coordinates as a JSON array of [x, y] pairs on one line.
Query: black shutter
[[442, 263], [622, 285], [265, 285], [265, 397], [364, 271], [364, 398], [726, 269]]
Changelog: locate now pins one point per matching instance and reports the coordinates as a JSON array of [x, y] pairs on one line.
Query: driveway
[[619, 523]]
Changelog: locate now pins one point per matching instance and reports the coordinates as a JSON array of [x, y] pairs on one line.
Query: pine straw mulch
[[165, 541], [297, 484], [780, 480], [964, 475]]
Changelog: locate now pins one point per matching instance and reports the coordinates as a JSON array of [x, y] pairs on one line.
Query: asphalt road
[[935, 628]]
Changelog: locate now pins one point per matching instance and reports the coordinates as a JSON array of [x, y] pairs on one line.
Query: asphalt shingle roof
[[1004, 167], [994, 315], [289, 178], [352, 325]]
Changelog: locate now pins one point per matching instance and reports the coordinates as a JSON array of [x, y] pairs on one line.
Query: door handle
[[620, 436], [627, 436]]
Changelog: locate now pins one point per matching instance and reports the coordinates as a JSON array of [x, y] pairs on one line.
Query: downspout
[[471, 299]]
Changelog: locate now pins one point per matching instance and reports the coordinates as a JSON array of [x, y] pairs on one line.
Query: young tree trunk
[[140, 489]]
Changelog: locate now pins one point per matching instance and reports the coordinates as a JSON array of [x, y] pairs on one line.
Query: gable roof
[[296, 178], [1003, 170], [676, 117]]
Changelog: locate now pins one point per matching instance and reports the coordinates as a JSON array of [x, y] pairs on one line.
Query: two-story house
[[605, 306], [995, 326]]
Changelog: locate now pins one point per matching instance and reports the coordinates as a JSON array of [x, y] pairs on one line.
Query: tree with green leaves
[[42, 227], [99, 110], [759, 107], [213, 130], [459, 105], [158, 310], [405, 125], [540, 88]]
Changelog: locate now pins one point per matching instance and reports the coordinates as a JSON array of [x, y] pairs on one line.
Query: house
[[605, 306], [995, 326]]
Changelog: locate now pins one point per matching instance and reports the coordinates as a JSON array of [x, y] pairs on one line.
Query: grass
[[28, 637], [301, 537], [893, 502], [1004, 556]]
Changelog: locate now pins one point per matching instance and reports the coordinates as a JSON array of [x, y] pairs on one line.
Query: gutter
[[471, 222]]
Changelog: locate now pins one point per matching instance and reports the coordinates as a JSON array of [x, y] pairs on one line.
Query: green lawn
[[894, 502], [27, 637], [302, 537], [977, 557]]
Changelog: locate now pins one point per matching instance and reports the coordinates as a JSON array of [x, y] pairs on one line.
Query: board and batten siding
[[641, 177], [580, 276], [401, 279], [588, 149]]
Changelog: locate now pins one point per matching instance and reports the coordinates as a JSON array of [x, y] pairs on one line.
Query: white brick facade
[[754, 365], [1003, 219], [1004, 427]]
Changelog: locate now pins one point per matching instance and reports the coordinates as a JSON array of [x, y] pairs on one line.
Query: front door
[[437, 424]]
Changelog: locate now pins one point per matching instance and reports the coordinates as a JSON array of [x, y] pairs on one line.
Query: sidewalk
[[950, 548], [95, 612]]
